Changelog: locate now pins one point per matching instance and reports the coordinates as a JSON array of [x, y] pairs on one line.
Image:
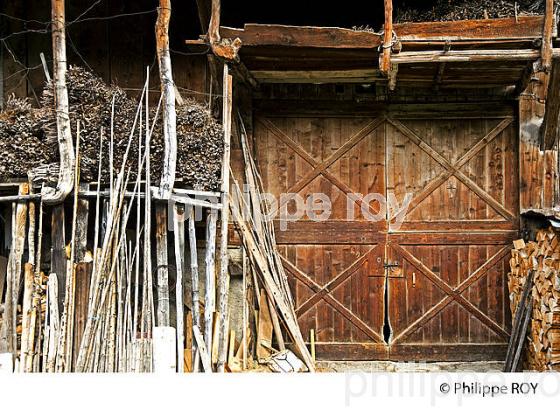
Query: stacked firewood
[[449, 10], [543, 257]]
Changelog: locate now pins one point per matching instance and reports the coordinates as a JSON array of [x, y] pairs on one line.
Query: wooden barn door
[[432, 287], [447, 288], [335, 267]]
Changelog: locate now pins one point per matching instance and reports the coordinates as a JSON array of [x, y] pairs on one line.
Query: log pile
[[542, 256], [450, 10], [28, 136]]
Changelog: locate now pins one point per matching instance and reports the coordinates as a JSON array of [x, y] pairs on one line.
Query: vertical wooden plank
[[162, 265], [463, 315], [449, 274], [83, 278], [8, 336], [58, 250]]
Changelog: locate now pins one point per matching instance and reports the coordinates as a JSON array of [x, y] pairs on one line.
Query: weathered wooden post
[[223, 276], [65, 145]]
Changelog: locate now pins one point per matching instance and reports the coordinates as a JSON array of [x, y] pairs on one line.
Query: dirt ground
[[387, 366]]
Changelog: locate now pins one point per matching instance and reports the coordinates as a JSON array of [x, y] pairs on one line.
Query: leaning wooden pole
[[179, 229], [223, 275], [168, 92], [65, 146]]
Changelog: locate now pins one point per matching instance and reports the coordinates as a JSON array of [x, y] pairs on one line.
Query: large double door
[[411, 263]]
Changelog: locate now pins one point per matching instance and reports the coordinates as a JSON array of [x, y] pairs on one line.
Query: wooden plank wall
[[110, 48], [538, 173]]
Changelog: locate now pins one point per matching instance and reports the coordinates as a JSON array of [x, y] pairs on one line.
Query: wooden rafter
[[480, 31]]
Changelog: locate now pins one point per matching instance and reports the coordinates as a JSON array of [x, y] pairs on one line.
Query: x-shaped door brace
[[454, 169], [320, 168], [324, 293], [452, 294]]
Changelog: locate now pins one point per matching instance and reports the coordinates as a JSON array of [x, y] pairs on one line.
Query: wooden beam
[[303, 36], [506, 29], [317, 76], [410, 57], [525, 27], [546, 47], [549, 127]]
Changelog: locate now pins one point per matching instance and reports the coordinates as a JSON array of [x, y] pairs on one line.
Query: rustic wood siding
[[448, 292]]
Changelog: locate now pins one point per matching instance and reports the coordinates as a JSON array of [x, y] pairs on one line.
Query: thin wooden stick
[[210, 275], [179, 230]]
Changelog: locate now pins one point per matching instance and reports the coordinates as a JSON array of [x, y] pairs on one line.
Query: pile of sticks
[[273, 307], [22, 139], [543, 257], [28, 135], [449, 10]]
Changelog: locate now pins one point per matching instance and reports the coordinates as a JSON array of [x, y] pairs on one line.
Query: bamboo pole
[[147, 270]]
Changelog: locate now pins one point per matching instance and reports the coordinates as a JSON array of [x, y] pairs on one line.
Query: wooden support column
[[387, 68], [223, 276], [65, 144], [168, 92], [549, 128]]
